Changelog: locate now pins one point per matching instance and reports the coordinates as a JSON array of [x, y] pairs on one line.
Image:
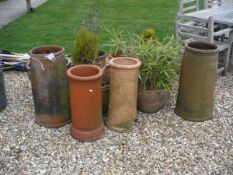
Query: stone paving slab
[[13, 9]]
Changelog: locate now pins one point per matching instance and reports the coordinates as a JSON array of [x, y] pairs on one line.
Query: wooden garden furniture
[[212, 3], [222, 15], [187, 6]]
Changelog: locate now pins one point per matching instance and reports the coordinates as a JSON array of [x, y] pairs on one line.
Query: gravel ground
[[160, 143]]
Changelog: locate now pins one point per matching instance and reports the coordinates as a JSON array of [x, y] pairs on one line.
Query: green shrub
[[118, 41], [86, 47], [149, 33], [159, 62]]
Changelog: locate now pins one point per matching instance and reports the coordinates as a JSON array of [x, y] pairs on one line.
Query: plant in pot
[[92, 23], [86, 47], [118, 43], [86, 51], [121, 42], [149, 33], [158, 71], [85, 88]]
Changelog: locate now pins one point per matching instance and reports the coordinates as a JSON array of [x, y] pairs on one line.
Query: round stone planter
[[151, 101]]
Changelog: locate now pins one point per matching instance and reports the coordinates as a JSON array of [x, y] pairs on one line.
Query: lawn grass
[[57, 21]]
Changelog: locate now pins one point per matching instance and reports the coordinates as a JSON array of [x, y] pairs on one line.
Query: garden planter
[[106, 76], [197, 81], [105, 98], [101, 59], [115, 55], [3, 101], [152, 101], [50, 86], [105, 88], [102, 63], [123, 93], [86, 102]]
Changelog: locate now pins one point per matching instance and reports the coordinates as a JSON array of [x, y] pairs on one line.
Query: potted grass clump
[[122, 43], [117, 45], [119, 41], [158, 71]]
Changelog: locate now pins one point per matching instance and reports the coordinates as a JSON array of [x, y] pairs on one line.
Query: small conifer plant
[[86, 47]]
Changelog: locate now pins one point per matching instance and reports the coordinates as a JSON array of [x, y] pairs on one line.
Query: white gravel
[[160, 143]]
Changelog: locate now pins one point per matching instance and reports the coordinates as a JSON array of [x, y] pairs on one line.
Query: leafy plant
[[118, 41], [159, 62], [86, 47], [149, 33]]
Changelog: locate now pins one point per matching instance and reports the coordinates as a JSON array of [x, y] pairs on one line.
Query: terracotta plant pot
[[50, 86], [198, 75], [112, 55], [101, 59], [3, 101], [105, 98], [152, 101], [106, 76], [86, 102], [123, 93]]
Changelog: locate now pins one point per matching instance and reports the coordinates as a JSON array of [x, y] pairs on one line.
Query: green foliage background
[[58, 21]]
